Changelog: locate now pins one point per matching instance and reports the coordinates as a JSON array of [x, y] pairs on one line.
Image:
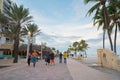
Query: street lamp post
[[43, 44], [28, 46]]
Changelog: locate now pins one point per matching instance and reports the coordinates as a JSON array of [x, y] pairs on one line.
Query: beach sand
[[91, 60]]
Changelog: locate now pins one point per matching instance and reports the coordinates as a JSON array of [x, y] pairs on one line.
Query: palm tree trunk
[[110, 39], [30, 51], [115, 39], [31, 39], [103, 39], [106, 22], [16, 46]]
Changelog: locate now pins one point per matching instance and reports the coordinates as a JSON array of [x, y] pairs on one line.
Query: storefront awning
[[4, 49]]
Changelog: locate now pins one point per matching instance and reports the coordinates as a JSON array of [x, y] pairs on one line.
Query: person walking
[[65, 57], [47, 59], [60, 57], [52, 58], [34, 56]]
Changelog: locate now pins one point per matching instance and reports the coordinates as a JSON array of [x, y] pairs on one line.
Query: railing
[[5, 56]]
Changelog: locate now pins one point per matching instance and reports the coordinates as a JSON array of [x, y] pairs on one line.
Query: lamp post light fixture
[[43, 44], [28, 46]]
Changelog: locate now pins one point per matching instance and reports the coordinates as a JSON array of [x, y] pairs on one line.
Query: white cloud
[[65, 32], [62, 31], [85, 31]]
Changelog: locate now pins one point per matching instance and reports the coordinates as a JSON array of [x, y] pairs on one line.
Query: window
[[7, 40]]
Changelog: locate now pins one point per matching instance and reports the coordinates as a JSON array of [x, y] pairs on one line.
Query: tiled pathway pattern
[[73, 70], [40, 72]]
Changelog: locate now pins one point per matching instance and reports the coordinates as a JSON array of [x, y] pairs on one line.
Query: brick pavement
[[21, 71], [73, 70]]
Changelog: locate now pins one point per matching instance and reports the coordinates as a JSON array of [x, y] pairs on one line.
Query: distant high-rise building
[[4, 4], [1, 5], [5, 42]]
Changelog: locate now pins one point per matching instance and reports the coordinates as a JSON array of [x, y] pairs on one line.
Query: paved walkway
[[80, 71], [73, 70], [21, 71]]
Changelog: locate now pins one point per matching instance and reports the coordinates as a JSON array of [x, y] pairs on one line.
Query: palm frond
[[18, 15], [92, 9], [32, 28], [87, 1]]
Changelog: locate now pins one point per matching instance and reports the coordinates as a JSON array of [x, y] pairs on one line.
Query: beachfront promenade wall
[[107, 58]]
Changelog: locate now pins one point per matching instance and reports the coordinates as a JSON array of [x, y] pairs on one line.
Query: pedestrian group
[[49, 58]]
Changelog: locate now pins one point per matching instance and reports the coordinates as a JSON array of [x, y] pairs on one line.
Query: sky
[[64, 21]]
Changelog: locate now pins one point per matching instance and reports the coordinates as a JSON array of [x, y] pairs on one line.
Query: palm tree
[[83, 46], [57, 51], [99, 20], [78, 46], [69, 49], [102, 4], [34, 31], [11, 34], [114, 11], [3, 20], [19, 16], [75, 47]]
